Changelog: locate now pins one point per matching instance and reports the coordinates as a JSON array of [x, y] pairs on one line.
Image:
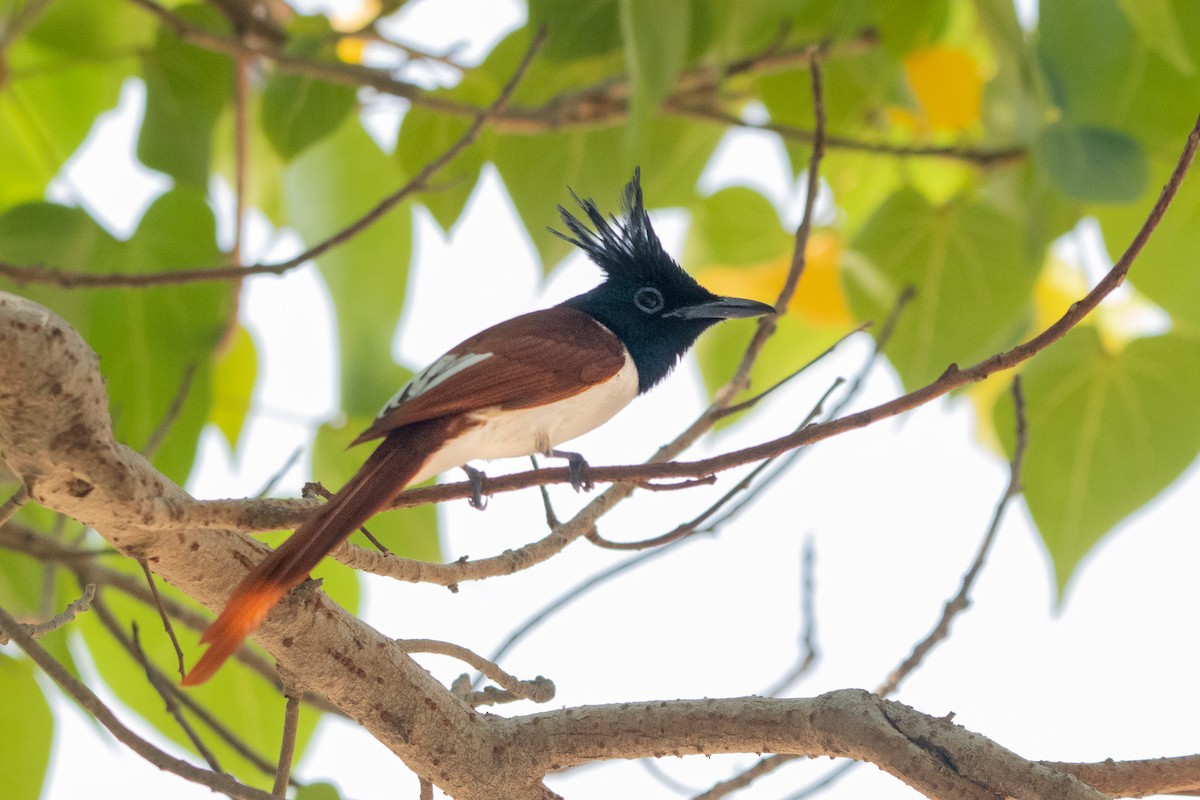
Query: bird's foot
[[476, 477], [578, 467]]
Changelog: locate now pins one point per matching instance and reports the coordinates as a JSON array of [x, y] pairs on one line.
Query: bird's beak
[[722, 308]]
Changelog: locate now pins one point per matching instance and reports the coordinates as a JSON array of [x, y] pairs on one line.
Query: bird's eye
[[648, 299]]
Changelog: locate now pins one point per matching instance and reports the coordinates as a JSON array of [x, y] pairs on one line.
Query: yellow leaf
[[350, 49], [819, 299], [1059, 285], [948, 86], [234, 372]]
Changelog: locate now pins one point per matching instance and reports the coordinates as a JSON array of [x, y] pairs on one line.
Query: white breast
[[522, 432]]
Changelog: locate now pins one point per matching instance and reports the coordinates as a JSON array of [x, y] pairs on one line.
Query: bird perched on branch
[[521, 387]]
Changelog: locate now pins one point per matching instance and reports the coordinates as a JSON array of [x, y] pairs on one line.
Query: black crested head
[[646, 299]]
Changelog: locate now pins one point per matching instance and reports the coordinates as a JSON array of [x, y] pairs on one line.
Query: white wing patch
[[445, 367]]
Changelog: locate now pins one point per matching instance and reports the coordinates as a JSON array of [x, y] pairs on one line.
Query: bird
[[518, 388]]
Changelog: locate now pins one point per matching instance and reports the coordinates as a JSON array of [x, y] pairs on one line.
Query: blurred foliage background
[[962, 146]]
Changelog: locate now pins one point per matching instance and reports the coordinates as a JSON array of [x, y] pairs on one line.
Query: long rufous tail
[[385, 473]]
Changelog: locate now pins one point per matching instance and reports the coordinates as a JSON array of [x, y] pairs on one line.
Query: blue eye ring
[[649, 300]]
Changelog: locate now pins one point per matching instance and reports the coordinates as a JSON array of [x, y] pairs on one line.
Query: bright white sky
[[895, 512]]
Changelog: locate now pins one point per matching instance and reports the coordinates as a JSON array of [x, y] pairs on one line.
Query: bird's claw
[[476, 477], [578, 467]]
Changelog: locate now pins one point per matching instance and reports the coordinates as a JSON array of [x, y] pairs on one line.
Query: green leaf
[[1158, 28], [92, 29], [1025, 192], [20, 582], [48, 103], [735, 226], [971, 275], [25, 741], [741, 27], [234, 374], [1103, 73], [331, 185], [903, 27], [408, 532], [1163, 269], [1096, 164], [263, 170], [148, 339], [1107, 433], [186, 89], [298, 111], [576, 29], [426, 134], [655, 37], [1085, 75], [318, 791]]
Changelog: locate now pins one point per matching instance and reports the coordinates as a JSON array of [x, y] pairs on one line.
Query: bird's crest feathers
[[624, 248]]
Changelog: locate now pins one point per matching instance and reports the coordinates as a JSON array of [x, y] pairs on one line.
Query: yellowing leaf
[[1119, 321], [947, 85], [819, 299], [1059, 285], [233, 385], [350, 49]]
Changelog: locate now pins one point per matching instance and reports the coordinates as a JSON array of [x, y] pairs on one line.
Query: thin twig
[[241, 152], [961, 600], [269, 486], [162, 614], [92, 704], [552, 521], [165, 691], [991, 157], [39, 629], [13, 504], [539, 690], [287, 747], [426, 790], [768, 324]]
